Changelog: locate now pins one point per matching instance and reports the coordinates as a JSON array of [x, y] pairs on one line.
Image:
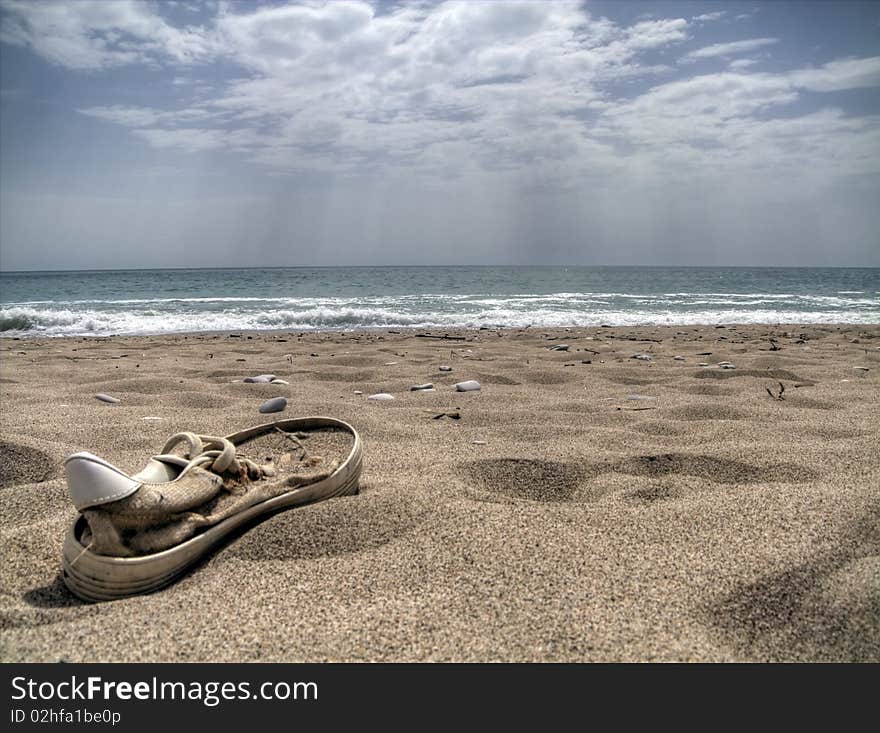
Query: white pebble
[[471, 385], [259, 379]]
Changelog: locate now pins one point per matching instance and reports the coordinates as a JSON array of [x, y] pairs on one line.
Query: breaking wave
[[182, 315]]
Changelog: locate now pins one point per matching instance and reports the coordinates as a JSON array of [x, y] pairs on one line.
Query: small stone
[[479, 442], [357, 391], [277, 404], [259, 379], [381, 396], [445, 368], [422, 387], [390, 363], [278, 381], [560, 347], [471, 385], [678, 358], [642, 357], [106, 398], [151, 418], [861, 369], [703, 363]]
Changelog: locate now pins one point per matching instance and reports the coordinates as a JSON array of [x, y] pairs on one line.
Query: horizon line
[[484, 266]]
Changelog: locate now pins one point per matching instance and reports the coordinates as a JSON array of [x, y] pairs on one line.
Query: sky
[[246, 134]]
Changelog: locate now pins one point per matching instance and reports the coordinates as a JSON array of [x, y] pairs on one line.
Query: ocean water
[[101, 303]]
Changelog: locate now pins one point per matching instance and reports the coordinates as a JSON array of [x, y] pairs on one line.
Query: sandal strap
[[208, 451]]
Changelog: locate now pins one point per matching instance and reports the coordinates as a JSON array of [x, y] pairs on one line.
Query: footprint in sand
[[24, 465], [522, 478]]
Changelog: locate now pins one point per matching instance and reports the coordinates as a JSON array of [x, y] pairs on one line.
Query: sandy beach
[[585, 505]]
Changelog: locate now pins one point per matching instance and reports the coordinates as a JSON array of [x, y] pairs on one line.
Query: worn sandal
[[138, 533]]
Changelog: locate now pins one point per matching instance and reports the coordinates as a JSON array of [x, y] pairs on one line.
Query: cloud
[[841, 74], [527, 93], [147, 116], [714, 126], [96, 34], [126, 116], [709, 17], [656, 33], [748, 14], [738, 64], [730, 49], [437, 89], [195, 140]]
